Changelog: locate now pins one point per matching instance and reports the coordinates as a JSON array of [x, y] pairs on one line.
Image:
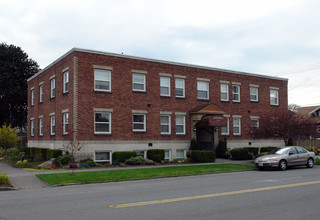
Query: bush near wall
[[122, 156], [203, 156], [40, 154], [156, 155], [240, 154], [266, 149], [252, 150]]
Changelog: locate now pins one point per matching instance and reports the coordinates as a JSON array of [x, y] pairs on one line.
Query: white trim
[[32, 127], [233, 125], [184, 125], [32, 88], [144, 82], [169, 154], [108, 123], [274, 88], [253, 85], [276, 98], [40, 83], [169, 124], [102, 151], [224, 82], [203, 79], [236, 116], [144, 122], [236, 83], [53, 76], [102, 109], [180, 76], [165, 74], [52, 113], [65, 111], [52, 88], [184, 87], [52, 132], [108, 73], [166, 86], [208, 90], [139, 71], [65, 69], [165, 113], [65, 122], [180, 113], [102, 67]]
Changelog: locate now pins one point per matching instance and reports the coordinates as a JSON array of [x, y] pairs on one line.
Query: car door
[[302, 156], [293, 157]]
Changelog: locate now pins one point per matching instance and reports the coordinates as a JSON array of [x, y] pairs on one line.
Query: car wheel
[[310, 163], [282, 165]]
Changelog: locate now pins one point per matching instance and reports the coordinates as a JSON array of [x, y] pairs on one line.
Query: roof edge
[[154, 60]]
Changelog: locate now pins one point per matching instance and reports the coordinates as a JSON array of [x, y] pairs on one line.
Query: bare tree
[[73, 147]]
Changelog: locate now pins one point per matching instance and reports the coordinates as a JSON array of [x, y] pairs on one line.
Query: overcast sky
[[273, 37]]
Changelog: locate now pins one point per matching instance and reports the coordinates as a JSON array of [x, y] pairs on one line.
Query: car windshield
[[280, 151]]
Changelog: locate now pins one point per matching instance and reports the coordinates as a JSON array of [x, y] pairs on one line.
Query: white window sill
[[180, 97], [206, 99], [237, 134], [181, 134], [167, 96], [102, 133], [101, 90], [139, 130]]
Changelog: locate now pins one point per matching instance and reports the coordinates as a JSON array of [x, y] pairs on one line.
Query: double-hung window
[[164, 86], [65, 122], [225, 129], [180, 87], [180, 154], [32, 127], [236, 125], [53, 88], [41, 93], [66, 82], [254, 121], [165, 121], [32, 97], [224, 90], [102, 156], [138, 82], [203, 89], [180, 124], [102, 122], [254, 93], [139, 122], [41, 126], [102, 80], [274, 96], [52, 124], [236, 93]]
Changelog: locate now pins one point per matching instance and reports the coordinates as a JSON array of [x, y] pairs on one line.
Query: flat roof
[[152, 60]]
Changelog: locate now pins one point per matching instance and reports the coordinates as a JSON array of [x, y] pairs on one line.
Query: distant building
[[114, 102], [314, 112]]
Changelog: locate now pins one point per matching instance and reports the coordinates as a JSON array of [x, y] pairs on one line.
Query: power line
[[299, 69]]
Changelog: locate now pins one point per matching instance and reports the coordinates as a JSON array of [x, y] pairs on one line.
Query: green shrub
[[4, 179], [122, 156], [252, 150], [53, 153], [8, 137], [222, 148], [240, 154], [10, 152], [317, 162], [156, 155], [89, 161], [266, 149], [195, 145], [203, 156], [65, 159], [138, 161]]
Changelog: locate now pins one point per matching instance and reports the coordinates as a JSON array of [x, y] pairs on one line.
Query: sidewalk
[[21, 179]]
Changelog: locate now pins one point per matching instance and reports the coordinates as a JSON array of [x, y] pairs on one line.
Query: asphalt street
[[292, 194]]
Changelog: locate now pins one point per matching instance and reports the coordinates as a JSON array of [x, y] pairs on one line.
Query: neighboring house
[[114, 102], [314, 112]]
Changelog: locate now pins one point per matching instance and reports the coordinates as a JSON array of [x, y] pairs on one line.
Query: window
[[102, 122], [180, 154], [236, 126], [224, 89], [274, 97], [167, 155], [65, 118], [254, 94], [138, 82], [102, 156], [32, 97], [225, 129], [41, 93], [66, 82], [203, 90], [235, 93], [254, 121], [180, 124], [53, 88], [139, 122], [102, 80], [318, 127], [40, 126], [180, 84], [165, 121], [52, 125], [141, 153], [32, 127], [164, 86]]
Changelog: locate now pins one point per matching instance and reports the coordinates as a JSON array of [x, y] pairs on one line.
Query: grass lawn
[[136, 174]]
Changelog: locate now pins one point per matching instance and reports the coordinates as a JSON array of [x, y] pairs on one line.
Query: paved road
[[240, 195]]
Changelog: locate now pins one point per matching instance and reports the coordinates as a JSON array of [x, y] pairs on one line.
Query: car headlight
[[271, 160]]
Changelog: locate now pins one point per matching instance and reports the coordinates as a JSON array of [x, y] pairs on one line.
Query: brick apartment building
[[114, 102]]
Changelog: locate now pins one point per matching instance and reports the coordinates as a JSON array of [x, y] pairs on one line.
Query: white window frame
[[108, 75], [41, 93], [252, 88], [168, 124], [41, 126], [144, 153], [110, 156], [144, 82], [144, 122], [224, 92], [254, 118], [32, 97], [108, 123], [65, 122], [236, 93], [32, 127], [234, 125], [206, 83], [66, 81], [53, 88], [276, 93], [228, 128], [183, 124], [184, 153], [178, 87], [165, 85], [169, 155], [52, 124]]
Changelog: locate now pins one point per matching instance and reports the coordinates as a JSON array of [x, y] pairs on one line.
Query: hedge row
[[203, 156], [40, 154], [247, 153], [122, 156]]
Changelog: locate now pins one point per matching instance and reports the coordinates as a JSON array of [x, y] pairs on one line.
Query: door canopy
[[208, 115]]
